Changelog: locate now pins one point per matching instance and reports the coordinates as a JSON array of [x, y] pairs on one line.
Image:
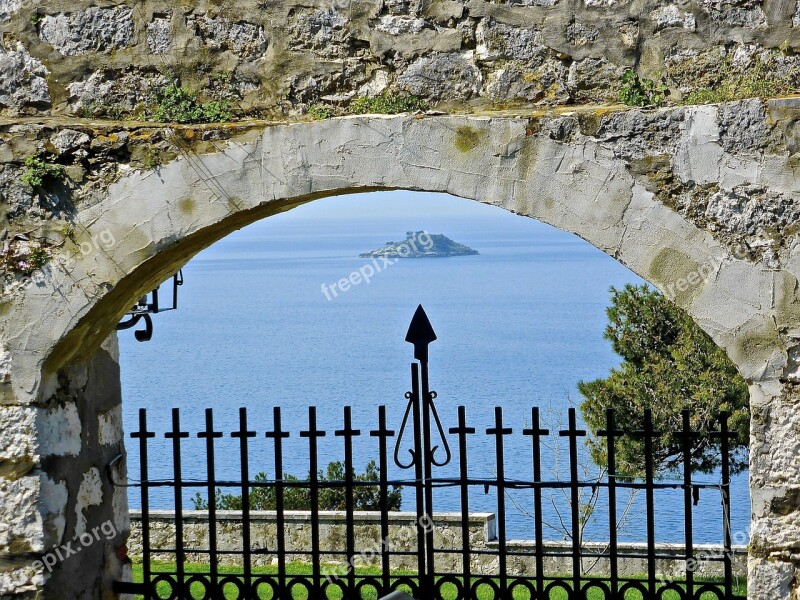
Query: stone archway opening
[[595, 182], [312, 320]]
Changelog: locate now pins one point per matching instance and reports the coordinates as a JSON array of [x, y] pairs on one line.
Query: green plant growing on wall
[[387, 104], [669, 364], [68, 231], [320, 112], [23, 260], [760, 80], [638, 91], [38, 170], [88, 110], [175, 104], [365, 497]]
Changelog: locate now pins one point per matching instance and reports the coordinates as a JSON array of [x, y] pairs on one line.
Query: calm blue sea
[[518, 326]]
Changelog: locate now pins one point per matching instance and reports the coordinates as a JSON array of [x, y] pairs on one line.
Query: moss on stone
[[655, 165], [589, 122], [467, 138], [187, 205], [671, 269]]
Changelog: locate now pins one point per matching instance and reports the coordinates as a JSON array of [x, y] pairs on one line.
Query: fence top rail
[[305, 515], [521, 429], [642, 546]]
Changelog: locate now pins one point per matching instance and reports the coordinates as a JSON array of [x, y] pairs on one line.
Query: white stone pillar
[[63, 525], [774, 565]]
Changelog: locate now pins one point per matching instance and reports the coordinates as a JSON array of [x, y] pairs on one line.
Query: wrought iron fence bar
[[177, 435], [531, 578], [573, 433], [348, 433], [143, 435], [649, 469], [278, 435], [313, 465], [611, 434], [428, 450], [686, 448], [383, 433], [566, 579], [474, 551], [536, 433], [463, 468], [210, 435], [243, 435], [584, 554], [419, 454], [498, 431], [436, 483], [269, 551], [725, 438]]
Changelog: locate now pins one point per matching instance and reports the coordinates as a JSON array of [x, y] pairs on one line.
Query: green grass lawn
[[302, 571]]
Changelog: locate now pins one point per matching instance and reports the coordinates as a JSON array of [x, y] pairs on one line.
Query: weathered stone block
[[499, 41], [325, 32], [442, 76], [671, 16], [23, 79], [106, 93], [736, 13], [93, 30], [160, 37], [246, 40]]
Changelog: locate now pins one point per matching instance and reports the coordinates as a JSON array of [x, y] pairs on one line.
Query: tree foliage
[[669, 364], [365, 497]]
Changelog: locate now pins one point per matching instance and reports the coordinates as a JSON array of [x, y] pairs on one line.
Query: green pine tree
[[669, 364]]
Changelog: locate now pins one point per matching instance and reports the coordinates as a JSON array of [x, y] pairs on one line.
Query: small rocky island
[[421, 244]]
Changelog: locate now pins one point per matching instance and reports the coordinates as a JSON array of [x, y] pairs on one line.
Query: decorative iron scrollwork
[[421, 334], [149, 305]]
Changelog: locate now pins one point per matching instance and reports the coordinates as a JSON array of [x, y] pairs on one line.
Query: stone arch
[[599, 180], [159, 219]]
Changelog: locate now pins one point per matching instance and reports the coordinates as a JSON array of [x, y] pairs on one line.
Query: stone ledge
[[483, 536], [776, 106]]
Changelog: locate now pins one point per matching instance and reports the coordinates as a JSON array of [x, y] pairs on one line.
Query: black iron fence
[[429, 450]]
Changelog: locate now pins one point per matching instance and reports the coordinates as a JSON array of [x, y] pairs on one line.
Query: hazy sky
[[394, 205]]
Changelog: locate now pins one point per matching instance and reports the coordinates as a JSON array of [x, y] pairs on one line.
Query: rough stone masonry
[[109, 58], [702, 201]]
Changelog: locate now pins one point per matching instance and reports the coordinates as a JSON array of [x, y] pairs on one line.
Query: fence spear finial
[[421, 334]]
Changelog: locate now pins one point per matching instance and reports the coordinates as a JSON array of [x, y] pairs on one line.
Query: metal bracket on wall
[[149, 305]]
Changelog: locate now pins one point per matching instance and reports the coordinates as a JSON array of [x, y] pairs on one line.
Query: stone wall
[[55, 485], [402, 537], [111, 58]]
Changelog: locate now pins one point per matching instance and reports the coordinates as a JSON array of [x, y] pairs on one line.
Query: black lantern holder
[[150, 305]]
